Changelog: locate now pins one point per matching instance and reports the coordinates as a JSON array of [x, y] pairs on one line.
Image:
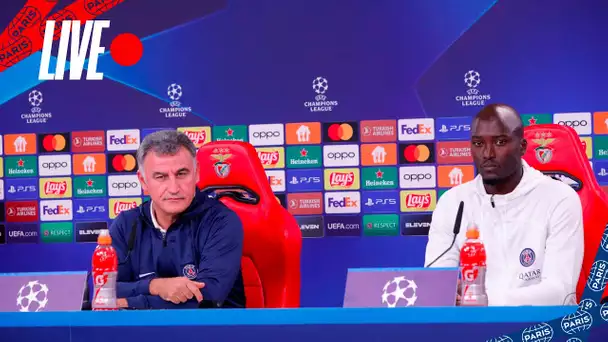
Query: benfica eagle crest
[[543, 152], [221, 167]]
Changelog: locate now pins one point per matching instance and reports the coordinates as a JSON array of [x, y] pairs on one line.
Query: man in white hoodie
[[531, 224]]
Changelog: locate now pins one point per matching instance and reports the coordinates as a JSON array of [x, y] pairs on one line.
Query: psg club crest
[[190, 271], [527, 257], [543, 152], [221, 167]]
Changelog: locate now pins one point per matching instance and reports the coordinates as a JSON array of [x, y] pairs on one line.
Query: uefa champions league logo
[[35, 100], [32, 297], [397, 290], [320, 85], [175, 93], [472, 80]]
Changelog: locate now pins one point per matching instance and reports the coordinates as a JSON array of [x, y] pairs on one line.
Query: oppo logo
[[125, 185], [573, 123], [54, 165], [341, 155], [417, 176], [267, 134]]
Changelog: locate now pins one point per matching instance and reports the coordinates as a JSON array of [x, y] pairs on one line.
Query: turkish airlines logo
[[22, 211], [124, 185], [340, 155], [88, 141], [266, 135], [55, 165]]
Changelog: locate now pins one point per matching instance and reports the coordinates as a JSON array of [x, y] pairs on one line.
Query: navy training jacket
[[204, 244]]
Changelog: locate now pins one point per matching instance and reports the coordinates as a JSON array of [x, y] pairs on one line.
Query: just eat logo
[[126, 49]]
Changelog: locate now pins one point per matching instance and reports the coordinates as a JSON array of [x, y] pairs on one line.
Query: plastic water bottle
[[105, 271], [473, 271]]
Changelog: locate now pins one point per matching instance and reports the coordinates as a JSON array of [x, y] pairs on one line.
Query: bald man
[[531, 224]]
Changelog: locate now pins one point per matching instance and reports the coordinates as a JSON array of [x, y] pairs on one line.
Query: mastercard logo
[[124, 163], [54, 143], [417, 153], [340, 131]]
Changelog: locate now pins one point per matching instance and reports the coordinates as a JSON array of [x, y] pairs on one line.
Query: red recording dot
[[126, 49]]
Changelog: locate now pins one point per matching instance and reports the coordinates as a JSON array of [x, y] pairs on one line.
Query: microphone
[[492, 201], [456, 231]]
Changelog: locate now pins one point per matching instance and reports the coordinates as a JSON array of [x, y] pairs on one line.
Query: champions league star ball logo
[[175, 93], [320, 85], [35, 99], [32, 297], [399, 290], [176, 110]]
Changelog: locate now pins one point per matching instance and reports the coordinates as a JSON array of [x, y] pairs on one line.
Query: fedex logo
[[416, 129], [380, 201], [58, 210], [454, 128], [276, 179], [126, 49], [347, 202], [304, 180], [123, 140]]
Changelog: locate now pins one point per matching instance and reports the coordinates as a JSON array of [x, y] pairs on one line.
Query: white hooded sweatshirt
[[533, 238]]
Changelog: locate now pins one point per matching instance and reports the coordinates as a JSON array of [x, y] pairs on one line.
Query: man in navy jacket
[[182, 249]]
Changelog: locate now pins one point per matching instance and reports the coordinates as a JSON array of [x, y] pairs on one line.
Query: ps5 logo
[[304, 180], [380, 201]]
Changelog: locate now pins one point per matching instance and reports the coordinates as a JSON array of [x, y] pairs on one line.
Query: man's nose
[[173, 185], [489, 152]]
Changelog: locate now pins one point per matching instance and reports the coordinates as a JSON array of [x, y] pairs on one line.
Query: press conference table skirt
[[304, 324]]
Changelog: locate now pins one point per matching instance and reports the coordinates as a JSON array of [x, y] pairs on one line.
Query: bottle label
[[104, 296]]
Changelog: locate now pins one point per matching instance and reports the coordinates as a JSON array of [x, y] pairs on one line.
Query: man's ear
[[142, 180], [524, 146]]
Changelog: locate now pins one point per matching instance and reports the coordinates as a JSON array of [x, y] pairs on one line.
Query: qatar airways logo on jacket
[[59, 210], [123, 140]]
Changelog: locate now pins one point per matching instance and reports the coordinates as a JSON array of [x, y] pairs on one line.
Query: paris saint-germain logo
[[190, 271], [527, 257]]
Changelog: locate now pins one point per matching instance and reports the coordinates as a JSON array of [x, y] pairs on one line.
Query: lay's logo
[[198, 135], [342, 179], [56, 187], [271, 157], [118, 205]]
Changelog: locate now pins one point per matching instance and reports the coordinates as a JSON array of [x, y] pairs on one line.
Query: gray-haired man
[[186, 249]]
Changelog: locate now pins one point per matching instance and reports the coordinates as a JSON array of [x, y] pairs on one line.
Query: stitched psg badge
[[527, 257], [190, 271]]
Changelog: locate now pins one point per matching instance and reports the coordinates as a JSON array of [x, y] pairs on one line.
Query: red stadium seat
[[273, 241], [558, 152]]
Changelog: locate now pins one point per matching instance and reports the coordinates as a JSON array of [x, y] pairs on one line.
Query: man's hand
[[176, 290]]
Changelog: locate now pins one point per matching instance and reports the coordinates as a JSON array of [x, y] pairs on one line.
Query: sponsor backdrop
[[360, 114]]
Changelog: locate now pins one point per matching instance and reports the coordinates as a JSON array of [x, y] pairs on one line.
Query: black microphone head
[[458, 218]]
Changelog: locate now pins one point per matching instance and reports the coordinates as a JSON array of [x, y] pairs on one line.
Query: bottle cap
[[104, 237], [472, 233]]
